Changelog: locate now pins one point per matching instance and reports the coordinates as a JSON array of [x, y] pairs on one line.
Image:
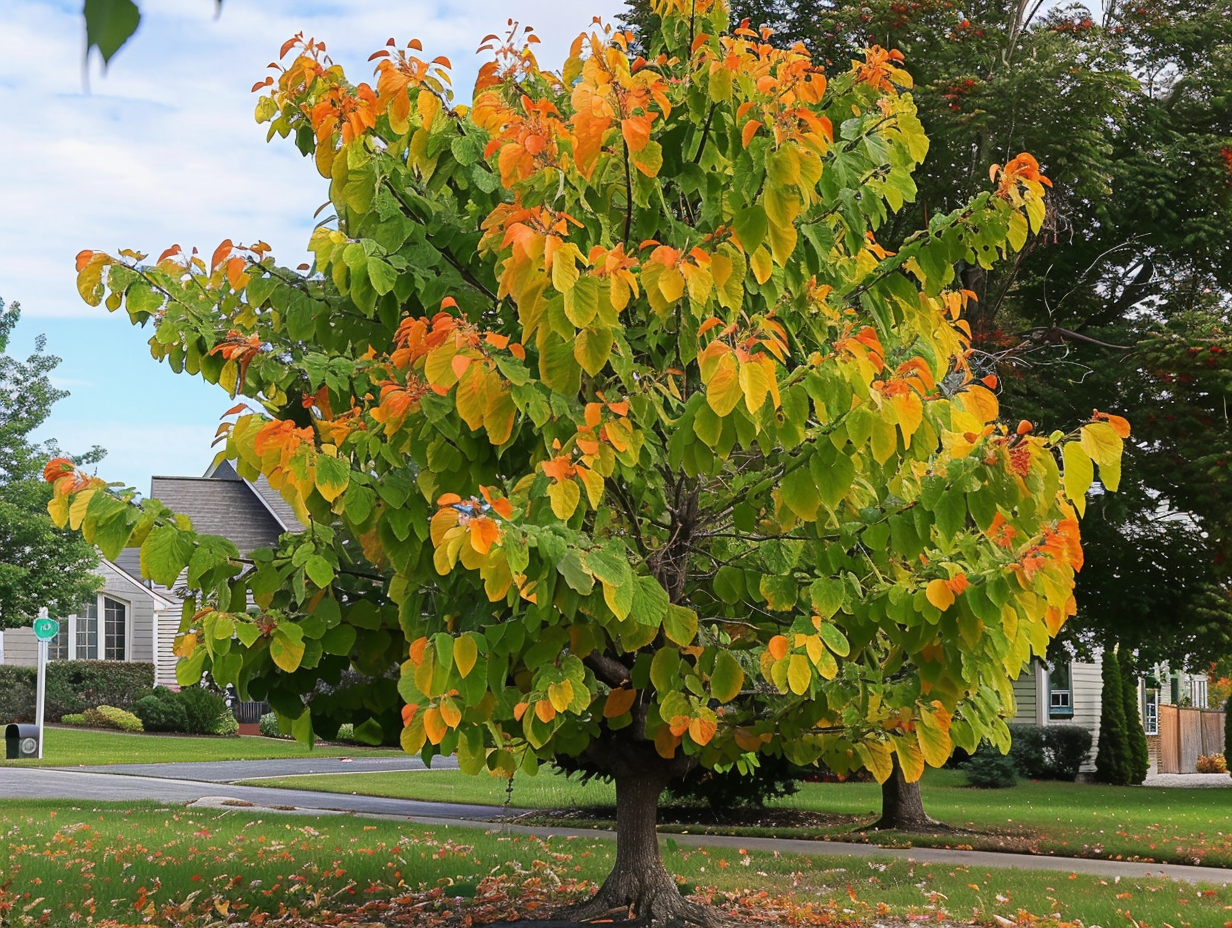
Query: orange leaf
[[459, 364], [83, 259], [778, 647], [220, 253], [678, 725], [666, 743], [702, 730], [408, 713], [434, 726], [618, 703], [417, 650], [940, 594], [450, 712], [750, 129], [484, 534], [449, 499], [545, 710], [520, 710], [636, 131]]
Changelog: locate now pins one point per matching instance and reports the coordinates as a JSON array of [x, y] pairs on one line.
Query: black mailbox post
[[20, 741]]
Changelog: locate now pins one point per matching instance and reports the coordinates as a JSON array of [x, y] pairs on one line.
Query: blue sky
[[164, 150]]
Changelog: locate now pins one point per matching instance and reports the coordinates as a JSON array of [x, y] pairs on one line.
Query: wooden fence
[[1185, 735]]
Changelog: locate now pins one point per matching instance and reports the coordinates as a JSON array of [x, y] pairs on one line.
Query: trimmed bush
[[74, 718], [162, 710], [17, 686], [1049, 752], [206, 712], [111, 717], [988, 768], [1112, 762], [74, 686], [1066, 749]]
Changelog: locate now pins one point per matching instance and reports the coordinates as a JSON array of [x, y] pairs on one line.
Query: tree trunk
[[639, 886], [902, 806]]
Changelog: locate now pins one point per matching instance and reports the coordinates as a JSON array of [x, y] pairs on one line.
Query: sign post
[[45, 630]]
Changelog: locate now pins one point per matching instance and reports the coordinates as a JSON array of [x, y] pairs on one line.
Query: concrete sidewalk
[[88, 784]]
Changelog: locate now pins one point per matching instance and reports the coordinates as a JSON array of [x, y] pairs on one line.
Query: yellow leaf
[[77, 511], [755, 383], [434, 726], [465, 654], [564, 497], [723, 391], [799, 676], [1101, 442], [593, 481], [761, 264], [1079, 472], [451, 715], [560, 695], [909, 758], [702, 728], [877, 757], [933, 733], [939, 594]]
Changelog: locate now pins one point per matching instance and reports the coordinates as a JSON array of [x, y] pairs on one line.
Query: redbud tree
[[612, 424]]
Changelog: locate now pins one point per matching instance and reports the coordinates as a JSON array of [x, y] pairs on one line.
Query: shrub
[[74, 718], [74, 686], [1066, 748], [206, 712], [268, 726], [111, 717], [17, 686], [773, 778], [1049, 752], [1139, 754], [162, 710], [1113, 761], [1212, 763], [1227, 726], [988, 768]]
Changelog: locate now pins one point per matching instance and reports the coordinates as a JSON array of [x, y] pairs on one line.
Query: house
[[132, 619], [1069, 692]]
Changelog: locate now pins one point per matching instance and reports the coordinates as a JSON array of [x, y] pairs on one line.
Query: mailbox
[[21, 742]]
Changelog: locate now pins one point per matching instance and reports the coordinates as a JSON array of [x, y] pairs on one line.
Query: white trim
[[135, 582], [1041, 693]]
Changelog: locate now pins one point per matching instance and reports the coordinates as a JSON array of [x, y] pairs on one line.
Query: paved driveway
[[228, 771]]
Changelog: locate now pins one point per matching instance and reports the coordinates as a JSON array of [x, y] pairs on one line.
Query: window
[[1060, 703], [57, 648], [1150, 711], [107, 640]]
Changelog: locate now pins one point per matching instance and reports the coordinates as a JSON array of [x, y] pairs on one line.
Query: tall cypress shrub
[[1227, 730], [1112, 763], [1139, 754]]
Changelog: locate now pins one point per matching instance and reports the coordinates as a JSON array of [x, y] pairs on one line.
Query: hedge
[[1049, 752], [73, 687]]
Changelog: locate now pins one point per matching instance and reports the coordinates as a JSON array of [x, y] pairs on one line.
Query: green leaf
[[799, 492], [301, 728], [333, 476], [750, 225], [319, 571], [381, 275], [835, 640], [780, 592], [951, 513], [109, 24], [650, 602], [727, 679], [833, 473], [165, 552], [370, 732], [339, 640], [729, 584], [680, 625], [189, 669]]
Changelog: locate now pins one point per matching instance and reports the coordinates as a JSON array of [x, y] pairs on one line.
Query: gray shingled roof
[[218, 506], [272, 499]]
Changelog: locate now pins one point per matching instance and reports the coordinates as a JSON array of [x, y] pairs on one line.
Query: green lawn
[[68, 747], [70, 862], [1066, 819]]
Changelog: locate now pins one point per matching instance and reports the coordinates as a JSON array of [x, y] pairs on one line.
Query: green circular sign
[[46, 629]]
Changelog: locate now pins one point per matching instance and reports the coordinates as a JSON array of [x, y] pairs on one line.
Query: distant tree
[[1112, 761], [40, 564]]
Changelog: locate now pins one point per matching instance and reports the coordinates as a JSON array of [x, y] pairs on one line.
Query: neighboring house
[[132, 619], [1070, 693]]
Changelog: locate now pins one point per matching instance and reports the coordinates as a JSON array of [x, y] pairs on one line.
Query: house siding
[[20, 647], [1086, 686]]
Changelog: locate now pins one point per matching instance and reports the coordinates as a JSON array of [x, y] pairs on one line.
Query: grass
[[68, 747], [1174, 825], [68, 862]]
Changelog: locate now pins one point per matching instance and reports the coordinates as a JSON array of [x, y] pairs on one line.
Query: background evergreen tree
[[1112, 762], [1139, 753], [40, 565]]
